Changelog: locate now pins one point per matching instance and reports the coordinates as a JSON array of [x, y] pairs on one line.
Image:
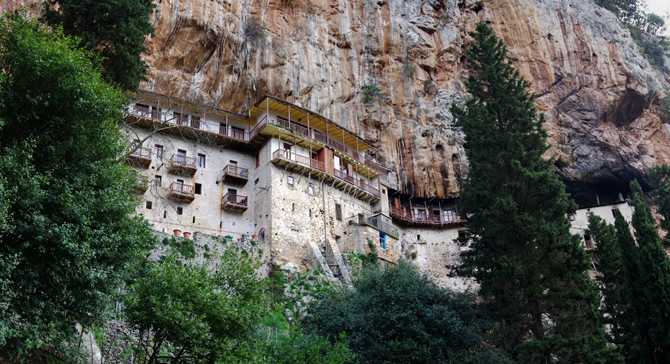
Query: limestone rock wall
[[598, 93]]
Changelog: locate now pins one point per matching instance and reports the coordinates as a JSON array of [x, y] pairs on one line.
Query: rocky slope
[[598, 93]]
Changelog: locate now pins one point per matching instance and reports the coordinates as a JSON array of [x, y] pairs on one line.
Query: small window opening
[[159, 151], [338, 212], [310, 189], [382, 240], [418, 237], [290, 181], [198, 189], [148, 205], [256, 181], [614, 212], [157, 181], [201, 161], [220, 224], [361, 218], [292, 206], [194, 219], [165, 214], [180, 211]]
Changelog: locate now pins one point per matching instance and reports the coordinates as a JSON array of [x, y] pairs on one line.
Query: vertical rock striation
[[598, 93]]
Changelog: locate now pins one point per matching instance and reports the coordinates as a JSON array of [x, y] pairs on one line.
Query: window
[[148, 205], [201, 161], [258, 159], [382, 239], [290, 181], [232, 191], [181, 156], [614, 212], [338, 212], [165, 214], [261, 235], [194, 219], [233, 163], [292, 206], [310, 212], [159, 151], [361, 218], [180, 211], [256, 181], [198, 189], [310, 189], [158, 180], [571, 217], [237, 133], [418, 237]]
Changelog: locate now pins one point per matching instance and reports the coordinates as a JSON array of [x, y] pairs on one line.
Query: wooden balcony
[[140, 157], [182, 192], [235, 175], [410, 218], [182, 166], [317, 170], [234, 202]]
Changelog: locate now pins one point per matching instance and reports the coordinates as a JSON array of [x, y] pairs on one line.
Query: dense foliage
[[635, 275], [532, 271], [67, 234], [114, 28], [197, 313], [645, 28], [397, 315]]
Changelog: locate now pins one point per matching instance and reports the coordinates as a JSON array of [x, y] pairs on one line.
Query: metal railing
[[446, 217], [196, 122], [182, 189], [141, 152], [356, 182], [300, 159], [234, 199], [377, 222], [236, 171], [181, 160]]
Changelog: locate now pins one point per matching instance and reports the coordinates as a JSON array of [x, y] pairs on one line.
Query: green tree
[[397, 315], [649, 289], [610, 275], [198, 313], [114, 28], [531, 270], [659, 177], [68, 233], [309, 349]]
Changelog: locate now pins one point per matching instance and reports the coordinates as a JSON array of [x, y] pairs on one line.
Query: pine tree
[[115, 28], [610, 275], [660, 182], [531, 270], [649, 289]]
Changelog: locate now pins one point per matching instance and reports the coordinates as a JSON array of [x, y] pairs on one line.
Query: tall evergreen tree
[[115, 28], [531, 270], [610, 275], [659, 177], [650, 289]]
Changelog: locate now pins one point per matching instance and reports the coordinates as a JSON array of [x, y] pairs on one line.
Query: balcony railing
[[447, 217], [182, 192], [141, 152], [300, 159], [235, 202], [377, 222], [235, 174], [183, 161]]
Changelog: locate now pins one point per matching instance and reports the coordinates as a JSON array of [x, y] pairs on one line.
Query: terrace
[[140, 157], [182, 192], [234, 202], [438, 218], [317, 169], [235, 175], [182, 165]]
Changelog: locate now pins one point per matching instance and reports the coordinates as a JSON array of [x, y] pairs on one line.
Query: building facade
[[306, 188]]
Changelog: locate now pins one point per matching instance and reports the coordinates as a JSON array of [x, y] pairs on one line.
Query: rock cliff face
[[597, 92]]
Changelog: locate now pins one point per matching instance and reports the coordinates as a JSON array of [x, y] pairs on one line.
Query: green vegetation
[[114, 28], [644, 28], [196, 313], [531, 270], [185, 247], [254, 31], [429, 87], [635, 276], [398, 315], [371, 93], [68, 236]]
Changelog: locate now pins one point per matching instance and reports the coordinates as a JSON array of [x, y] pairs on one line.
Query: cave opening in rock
[[629, 107]]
